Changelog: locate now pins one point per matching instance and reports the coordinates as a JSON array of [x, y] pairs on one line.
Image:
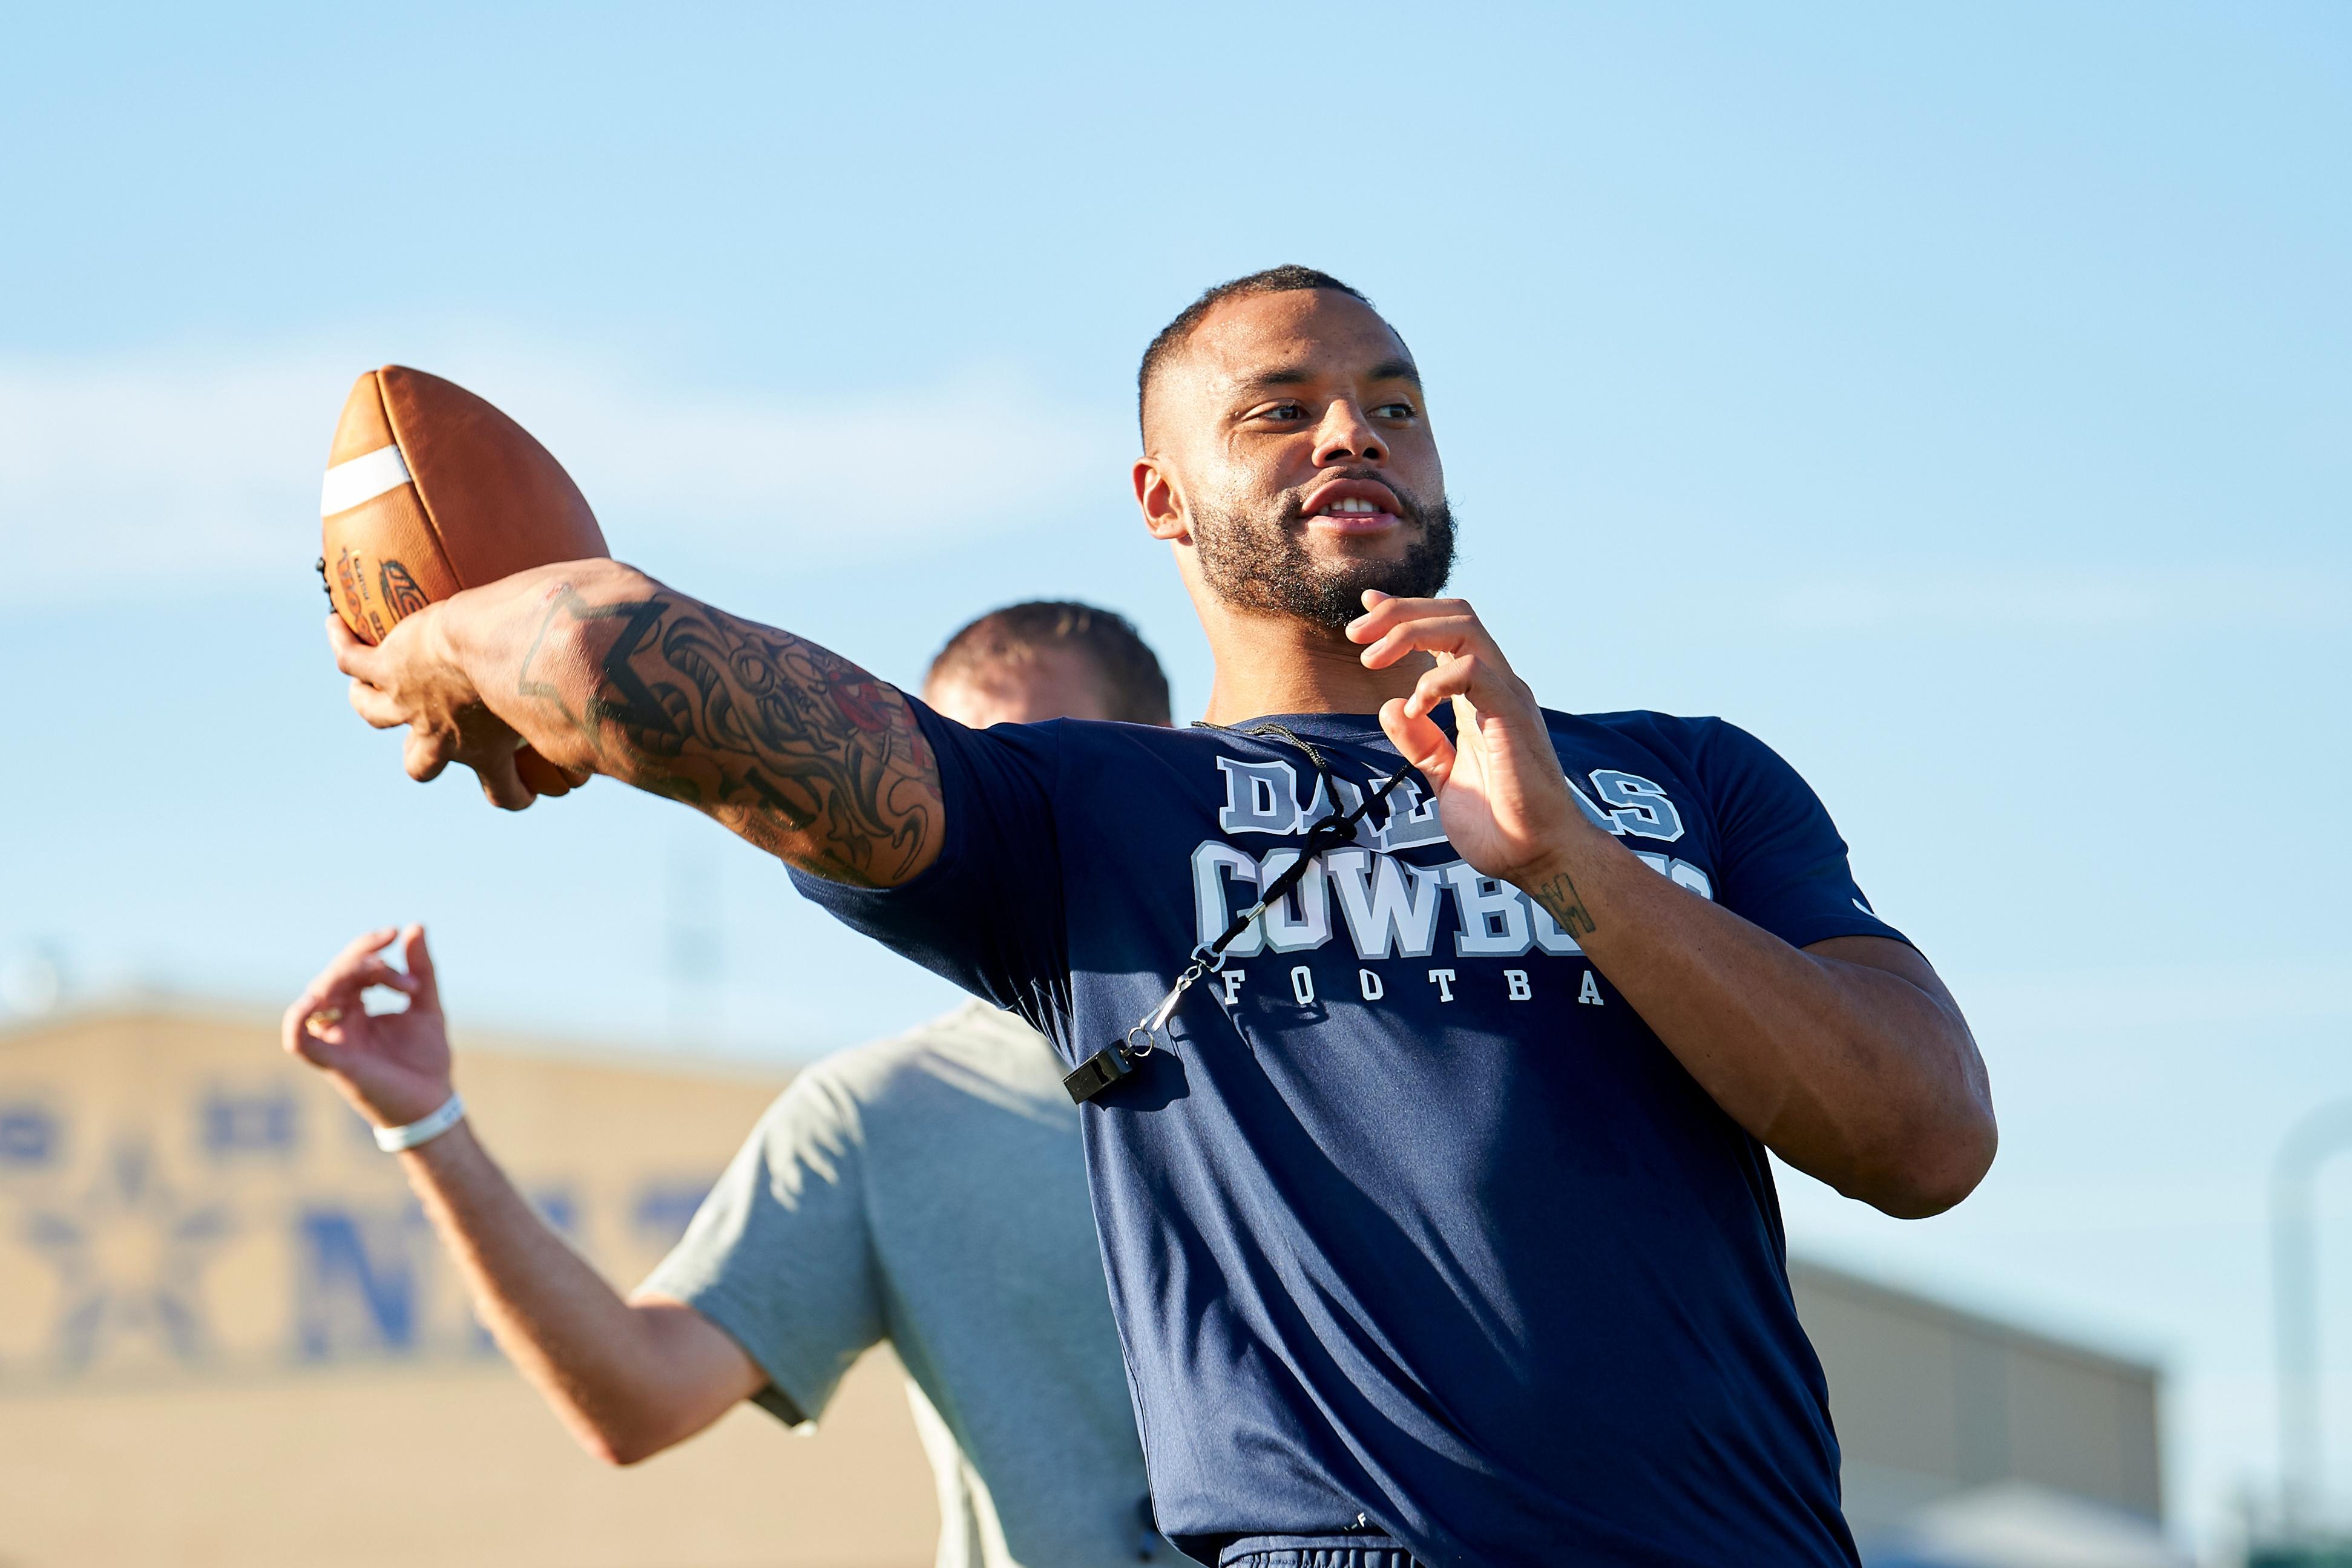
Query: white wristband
[[392, 1140]]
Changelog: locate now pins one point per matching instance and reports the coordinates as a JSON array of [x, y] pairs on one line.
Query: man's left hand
[[1501, 796]]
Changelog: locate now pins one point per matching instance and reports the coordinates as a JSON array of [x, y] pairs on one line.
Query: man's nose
[[1346, 436]]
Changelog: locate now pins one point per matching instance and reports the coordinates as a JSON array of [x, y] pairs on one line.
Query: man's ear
[[1164, 512]]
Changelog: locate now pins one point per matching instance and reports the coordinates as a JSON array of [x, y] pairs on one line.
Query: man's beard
[[1260, 561]]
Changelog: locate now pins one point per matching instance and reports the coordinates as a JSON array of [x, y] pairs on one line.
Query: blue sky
[[1958, 399]]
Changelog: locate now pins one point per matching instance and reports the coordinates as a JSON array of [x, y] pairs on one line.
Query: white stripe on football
[[364, 478]]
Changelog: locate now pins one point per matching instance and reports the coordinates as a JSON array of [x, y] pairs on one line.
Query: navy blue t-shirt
[[1414, 1219]]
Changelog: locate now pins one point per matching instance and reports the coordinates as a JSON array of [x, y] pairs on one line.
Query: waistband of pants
[[1357, 1550]]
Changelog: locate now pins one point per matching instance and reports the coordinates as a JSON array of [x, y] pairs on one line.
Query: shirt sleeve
[[779, 1255], [988, 914], [1781, 861]]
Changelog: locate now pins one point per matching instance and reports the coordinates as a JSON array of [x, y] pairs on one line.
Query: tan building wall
[[1931, 1401], [227, 1337]]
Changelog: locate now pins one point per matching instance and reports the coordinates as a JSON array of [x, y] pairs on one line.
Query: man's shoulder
[[1704, 743], [1684, 745], [1050, 737], [974, 1052], [1645, 727], [1070, 757], [1086, 742], [1713, 760]]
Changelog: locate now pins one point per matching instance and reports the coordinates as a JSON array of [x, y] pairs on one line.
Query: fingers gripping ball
[[430, 490]]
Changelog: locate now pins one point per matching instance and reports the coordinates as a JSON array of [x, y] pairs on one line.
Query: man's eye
[[1287, 411], [1394, 411]]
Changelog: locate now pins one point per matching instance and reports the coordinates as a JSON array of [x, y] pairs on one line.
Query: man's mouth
[[1353, 507]]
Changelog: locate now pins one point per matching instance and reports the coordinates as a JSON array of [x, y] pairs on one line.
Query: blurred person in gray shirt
[[927, 1190]]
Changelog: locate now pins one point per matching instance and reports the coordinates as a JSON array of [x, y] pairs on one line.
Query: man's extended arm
[[601, 669], [1848, 1059], [629, 1378]]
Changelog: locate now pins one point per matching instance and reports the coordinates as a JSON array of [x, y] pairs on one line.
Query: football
[[430, 490]]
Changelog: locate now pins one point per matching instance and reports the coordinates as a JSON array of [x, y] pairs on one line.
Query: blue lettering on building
[[231, 1123], [355, 1282], [663, 1208], [560, 1208], [30, 1136]]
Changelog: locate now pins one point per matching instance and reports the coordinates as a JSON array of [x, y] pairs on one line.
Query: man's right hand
[[392, 1067], [410, 679]]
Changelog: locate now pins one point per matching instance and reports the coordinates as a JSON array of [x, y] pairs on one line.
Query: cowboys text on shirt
[[1387, 907]]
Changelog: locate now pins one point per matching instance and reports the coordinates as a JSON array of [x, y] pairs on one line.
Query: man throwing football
[[1437, 1216]]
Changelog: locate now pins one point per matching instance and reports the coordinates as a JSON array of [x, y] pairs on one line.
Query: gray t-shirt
[[930, 1190]]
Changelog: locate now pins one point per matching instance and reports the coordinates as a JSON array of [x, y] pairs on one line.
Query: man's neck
[[1274, 664]]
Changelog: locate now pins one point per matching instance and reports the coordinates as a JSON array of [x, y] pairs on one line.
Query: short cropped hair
[[1135, 689], [1171, 339]]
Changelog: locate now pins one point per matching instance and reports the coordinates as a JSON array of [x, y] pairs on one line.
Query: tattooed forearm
[[1558, 897], [798, 750]]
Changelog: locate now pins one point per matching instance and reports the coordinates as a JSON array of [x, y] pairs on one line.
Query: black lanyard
[[1116, 1061]]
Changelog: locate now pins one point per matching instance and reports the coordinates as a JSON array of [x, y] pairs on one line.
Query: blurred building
[[1934, 1405], [227, 1336]]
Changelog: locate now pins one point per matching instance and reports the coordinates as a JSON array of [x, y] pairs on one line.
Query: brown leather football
[[430, 490]]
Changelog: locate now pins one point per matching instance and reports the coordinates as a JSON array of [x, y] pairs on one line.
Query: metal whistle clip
[[1114, 1062], [1161, 1014]]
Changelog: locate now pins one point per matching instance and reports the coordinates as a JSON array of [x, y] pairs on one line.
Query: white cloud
[[201, 470]]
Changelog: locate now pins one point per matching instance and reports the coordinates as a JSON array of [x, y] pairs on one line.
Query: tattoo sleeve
[[1559, 896], [798, 750]]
